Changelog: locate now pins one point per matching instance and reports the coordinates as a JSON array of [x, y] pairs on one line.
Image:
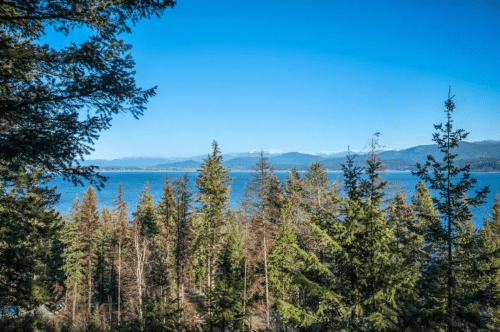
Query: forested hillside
[[481, 156]]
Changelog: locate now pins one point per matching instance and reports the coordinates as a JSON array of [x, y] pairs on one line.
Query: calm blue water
[[133, 183]]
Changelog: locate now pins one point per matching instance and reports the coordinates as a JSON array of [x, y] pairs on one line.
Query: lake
[[133, 183]]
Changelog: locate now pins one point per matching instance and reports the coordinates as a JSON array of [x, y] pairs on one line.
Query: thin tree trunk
[[89, 309], [209, 281], [245, 285], [110, 304], [178, 263], [74, 303], [265, 276], [450, 263], [141, 256], [119, 281]]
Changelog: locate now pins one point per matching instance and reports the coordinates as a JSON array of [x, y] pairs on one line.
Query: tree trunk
[[209, 297], [119, 280], [74, 303], [110, 305], [89, 309], [265, 276]]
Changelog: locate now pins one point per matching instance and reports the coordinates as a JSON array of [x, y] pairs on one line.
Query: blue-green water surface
[[133, 183]]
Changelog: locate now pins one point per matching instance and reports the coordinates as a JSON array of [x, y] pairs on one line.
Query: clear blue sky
[[309, 75]]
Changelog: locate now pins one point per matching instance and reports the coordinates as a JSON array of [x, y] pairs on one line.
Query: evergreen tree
[[144, 231], [282, 261], [183, 234], [145, 213], [265, 188], [452, 183], [303, 257], [121, 233], [45, 90], [371, 274], [88, 226], [491, 247], [74, 264], [409, 248], [468, 278], [228, 302], [104, 263], [166, 219], [209, 223], [29, 230]]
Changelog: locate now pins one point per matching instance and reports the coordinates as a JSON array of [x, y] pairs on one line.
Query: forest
[[305, 254], [302, 255]]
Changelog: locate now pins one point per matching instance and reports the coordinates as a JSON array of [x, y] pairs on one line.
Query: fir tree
[[182, 228], [491, 247], [88, 226], [104, 263], [166, 219], [145, 213], [371, 274], [452, 183], [282, 260], [409, 250], [41, 102], [265, 187], [121, 232], [144, 231], [228, 302], [29, 230], [74, 264], [303, 257], [209, 222]]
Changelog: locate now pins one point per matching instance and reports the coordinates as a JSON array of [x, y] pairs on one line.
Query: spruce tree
[[409, 248], [303, 257], [144, 231], [74, 264], [29, 230], [88, 226], [491, 247], [209, 223], [282, 266], [166, 219], [452, 184], [228, 301], [104, 263], [265, 188], [183, 235], [371, 274], [45, 89], [121, 229]]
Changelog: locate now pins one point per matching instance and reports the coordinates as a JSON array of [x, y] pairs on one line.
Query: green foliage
[[440, 274], [29, 230], [209, 223], [490, 235], [228, 289], [145, 214], [45, 91], [96, 318], [73, 256]]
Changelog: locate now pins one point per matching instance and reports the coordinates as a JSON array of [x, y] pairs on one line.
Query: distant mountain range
[[482, 156]]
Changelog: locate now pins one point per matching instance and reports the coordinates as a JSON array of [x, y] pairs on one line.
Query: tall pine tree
[[88, 226], [452, 184], [74, 264], [209, 224]]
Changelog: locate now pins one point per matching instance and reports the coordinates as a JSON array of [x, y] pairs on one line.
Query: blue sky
[[309, 75]]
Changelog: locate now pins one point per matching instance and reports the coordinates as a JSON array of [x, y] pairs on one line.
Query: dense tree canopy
[[54, 102]]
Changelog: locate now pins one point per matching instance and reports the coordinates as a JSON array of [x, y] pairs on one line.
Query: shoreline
[[194, 170]]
